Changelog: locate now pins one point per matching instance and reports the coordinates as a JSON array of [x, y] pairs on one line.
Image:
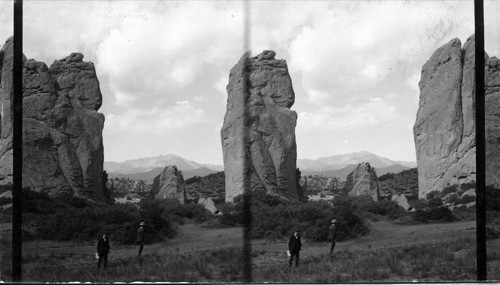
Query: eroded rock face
[[62, 130], [272, 151], [444, 130], [401, 200], [492, 121], [363, 181], [208, 203], [169, 184]]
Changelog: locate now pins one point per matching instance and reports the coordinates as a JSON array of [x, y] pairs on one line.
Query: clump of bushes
[[375, 210], [274, 218], [72, 218], [120, 221], [183, 212], [433, 214]]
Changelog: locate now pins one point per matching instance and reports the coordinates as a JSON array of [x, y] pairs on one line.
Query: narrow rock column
[[271, 123]]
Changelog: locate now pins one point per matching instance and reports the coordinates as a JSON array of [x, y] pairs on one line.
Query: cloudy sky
[[163, 66]]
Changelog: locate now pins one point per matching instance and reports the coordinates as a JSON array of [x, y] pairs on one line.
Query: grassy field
[[391, 253]]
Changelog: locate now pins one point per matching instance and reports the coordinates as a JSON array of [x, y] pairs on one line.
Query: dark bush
[[232, 214], [433, 194], [193, 180], [434, 202], [40, 203], [418, 204], [311, 218], [389, 209], [187, 211], [465, 199], [5, 201], [492, 198], [468, 186], [386, 176], [449, 189], [433, 214], [120, 221]]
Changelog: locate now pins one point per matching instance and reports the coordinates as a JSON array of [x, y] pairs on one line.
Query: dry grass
[[452, 260]]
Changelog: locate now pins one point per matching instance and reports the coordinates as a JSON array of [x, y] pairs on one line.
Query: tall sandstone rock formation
[[62, 130], [362, 181], [169, 184], [444, 130], [270, 124]]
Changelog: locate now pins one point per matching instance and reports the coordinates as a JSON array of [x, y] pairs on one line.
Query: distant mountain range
[[332, 166], [343, 160], [149, 163], [343, 172]]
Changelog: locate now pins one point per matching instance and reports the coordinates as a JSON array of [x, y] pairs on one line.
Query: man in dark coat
[[331, 235], [140, 238], [102, 251], [294, 247]]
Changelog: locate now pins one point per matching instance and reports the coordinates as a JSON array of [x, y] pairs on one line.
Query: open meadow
[[390, 253]]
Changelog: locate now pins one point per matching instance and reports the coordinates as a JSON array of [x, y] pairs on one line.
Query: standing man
[[294, 247], [140, 238], [102, 251], [331, 235]]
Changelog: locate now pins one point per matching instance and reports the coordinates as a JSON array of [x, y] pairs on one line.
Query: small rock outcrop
[[271, 153], [169, 184], [444, 129], [363, 181], [63, 151], [401, 200], [208, 203]]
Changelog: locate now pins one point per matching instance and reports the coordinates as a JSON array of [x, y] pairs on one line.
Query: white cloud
[[371, 113], [337, 50], [156, 120], [413, 81]]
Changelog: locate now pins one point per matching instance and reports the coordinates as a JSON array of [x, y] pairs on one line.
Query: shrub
[[311, 218], [386, 176], [449, 189], [492, 198], [120, 221], [187, 211], [232, 214], [5, 201], [434, 202], [465, 199], [418, 204], [433, 214], [466, 186]]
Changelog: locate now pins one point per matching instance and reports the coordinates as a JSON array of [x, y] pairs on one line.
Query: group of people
[[295, 245], [103, 246]]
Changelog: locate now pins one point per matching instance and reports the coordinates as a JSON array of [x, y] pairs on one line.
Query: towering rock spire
[[271, 147]]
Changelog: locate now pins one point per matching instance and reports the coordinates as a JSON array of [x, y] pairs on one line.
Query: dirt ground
[[197, 238]]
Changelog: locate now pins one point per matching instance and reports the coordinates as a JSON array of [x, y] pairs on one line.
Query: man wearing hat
[[294, 247], [331, 234], [102, 251], [140, 237]]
